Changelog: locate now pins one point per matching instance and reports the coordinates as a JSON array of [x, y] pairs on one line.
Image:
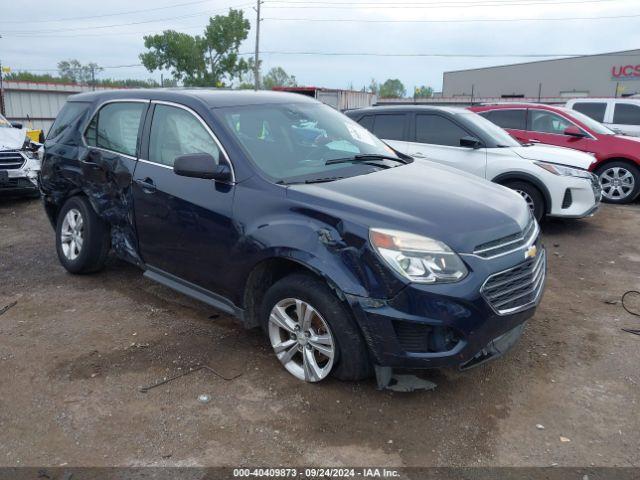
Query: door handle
[[533, 141], [146, 185], [418, 155]]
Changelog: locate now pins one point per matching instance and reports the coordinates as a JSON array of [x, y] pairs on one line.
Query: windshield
[[4, 123], [300, 142], [589, 122], [499, 137]]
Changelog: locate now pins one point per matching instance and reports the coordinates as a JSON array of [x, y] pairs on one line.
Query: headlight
[[417, 258], [564, 170]]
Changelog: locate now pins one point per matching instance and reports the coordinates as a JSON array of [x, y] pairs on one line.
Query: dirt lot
[[74, 351]]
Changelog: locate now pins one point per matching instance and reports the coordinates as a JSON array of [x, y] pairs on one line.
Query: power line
[[140, 22], [66, 19], [416, 5], [473, 20], [442, 55]]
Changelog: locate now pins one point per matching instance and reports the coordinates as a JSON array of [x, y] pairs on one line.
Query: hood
[[624, 138], [560, 155], [459, 209], [12, 138]]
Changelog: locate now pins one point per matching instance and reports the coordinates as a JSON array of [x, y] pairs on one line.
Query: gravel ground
[[74, 351]]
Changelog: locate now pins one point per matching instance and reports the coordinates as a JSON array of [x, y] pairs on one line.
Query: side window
[[116, 127], [544, 121], [514, 119], [438, 130], [175, 132], [626, 114], [594, 110], [70, 113], [367, 122], [389, 127]]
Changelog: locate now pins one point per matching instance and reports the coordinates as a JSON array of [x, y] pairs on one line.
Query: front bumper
[[20, 179], [428, 326], [578, 198]]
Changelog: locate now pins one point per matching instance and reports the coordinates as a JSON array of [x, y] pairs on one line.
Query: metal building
[[338, 99], [37, 104], [604, 75]]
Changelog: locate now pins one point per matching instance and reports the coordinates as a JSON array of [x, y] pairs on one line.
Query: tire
[[627, 187], [85, 246], [531, 195], [350, 359]]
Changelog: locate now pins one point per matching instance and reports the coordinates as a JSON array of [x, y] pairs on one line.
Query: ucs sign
[[625, 72]]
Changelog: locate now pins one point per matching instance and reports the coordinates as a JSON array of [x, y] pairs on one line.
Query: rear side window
[[626, 114], [116, 127], [514, 119], [72, 113], [438, 130], [594, 110], [389, 127], [175, 132]]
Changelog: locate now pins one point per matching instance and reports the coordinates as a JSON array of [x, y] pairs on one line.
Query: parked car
[[347, 254], [617, 157], [553, 181], [19, 160], [621, 115]]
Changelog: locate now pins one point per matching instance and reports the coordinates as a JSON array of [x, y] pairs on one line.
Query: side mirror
[[201, 165], [470, 142], [573, 131], [17, 125]]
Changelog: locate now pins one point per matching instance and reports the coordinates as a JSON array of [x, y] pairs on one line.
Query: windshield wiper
[[364, 157], [311, 180]]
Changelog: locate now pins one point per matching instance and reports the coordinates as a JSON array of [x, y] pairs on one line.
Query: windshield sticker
[[360, 133]]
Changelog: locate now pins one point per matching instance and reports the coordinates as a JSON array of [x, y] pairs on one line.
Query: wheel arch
[[609, 160], [526, 177]]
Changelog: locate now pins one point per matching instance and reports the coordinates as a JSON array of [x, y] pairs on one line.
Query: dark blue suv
[[287, 214]]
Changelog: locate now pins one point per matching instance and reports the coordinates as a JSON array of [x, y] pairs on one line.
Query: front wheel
[[620, 182], [531, 195], [312, 333]]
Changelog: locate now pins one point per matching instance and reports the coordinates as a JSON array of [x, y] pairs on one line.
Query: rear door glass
[[389, 126], [626, 114], [116, 127], [595, 110], [513, 119]]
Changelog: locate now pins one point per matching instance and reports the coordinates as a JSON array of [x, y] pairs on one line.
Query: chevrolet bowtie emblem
[[531, 252]]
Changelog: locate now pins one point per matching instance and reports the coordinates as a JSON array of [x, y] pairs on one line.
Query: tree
[[392, 88], [373, 86], [73, 71], [208, 60], [278, 77], [423, 92], [246, 80]]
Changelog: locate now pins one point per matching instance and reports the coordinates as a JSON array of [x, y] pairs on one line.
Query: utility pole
[[93, 77], [256, 71]]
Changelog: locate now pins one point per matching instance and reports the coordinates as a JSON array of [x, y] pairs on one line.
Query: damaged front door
[[184, 224]]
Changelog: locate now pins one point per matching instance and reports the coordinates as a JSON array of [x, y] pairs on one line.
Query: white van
[[619, 114]]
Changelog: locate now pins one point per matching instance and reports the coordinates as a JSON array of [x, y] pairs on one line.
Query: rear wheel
[[312, 333], [620, 182], [82, 238], [531, 195]]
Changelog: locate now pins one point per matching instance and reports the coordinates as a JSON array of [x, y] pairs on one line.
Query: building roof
[[623, 53]]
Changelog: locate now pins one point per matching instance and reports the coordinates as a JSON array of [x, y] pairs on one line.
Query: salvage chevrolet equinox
[[285, 213]]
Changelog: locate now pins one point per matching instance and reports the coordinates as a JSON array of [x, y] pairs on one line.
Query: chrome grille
[[517, 288], [11, 160], [509, 243]]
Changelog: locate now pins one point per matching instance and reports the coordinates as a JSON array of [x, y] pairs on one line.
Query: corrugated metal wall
[[37, 104]]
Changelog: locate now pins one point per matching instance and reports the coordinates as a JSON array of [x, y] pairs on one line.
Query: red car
[[617, 163]]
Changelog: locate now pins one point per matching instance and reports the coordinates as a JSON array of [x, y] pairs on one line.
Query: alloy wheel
[[528, 199], [617, 183], [301, 339], [72, 234]]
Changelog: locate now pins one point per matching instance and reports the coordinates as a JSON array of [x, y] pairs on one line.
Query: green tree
[[208, 60], [278, 77], [423, 92], [392, 88], [73, 71], [246, 80]]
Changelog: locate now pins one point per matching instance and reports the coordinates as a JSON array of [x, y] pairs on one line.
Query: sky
[[460, 33]]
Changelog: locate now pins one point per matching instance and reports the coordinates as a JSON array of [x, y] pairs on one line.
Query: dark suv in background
[[282, 211]]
